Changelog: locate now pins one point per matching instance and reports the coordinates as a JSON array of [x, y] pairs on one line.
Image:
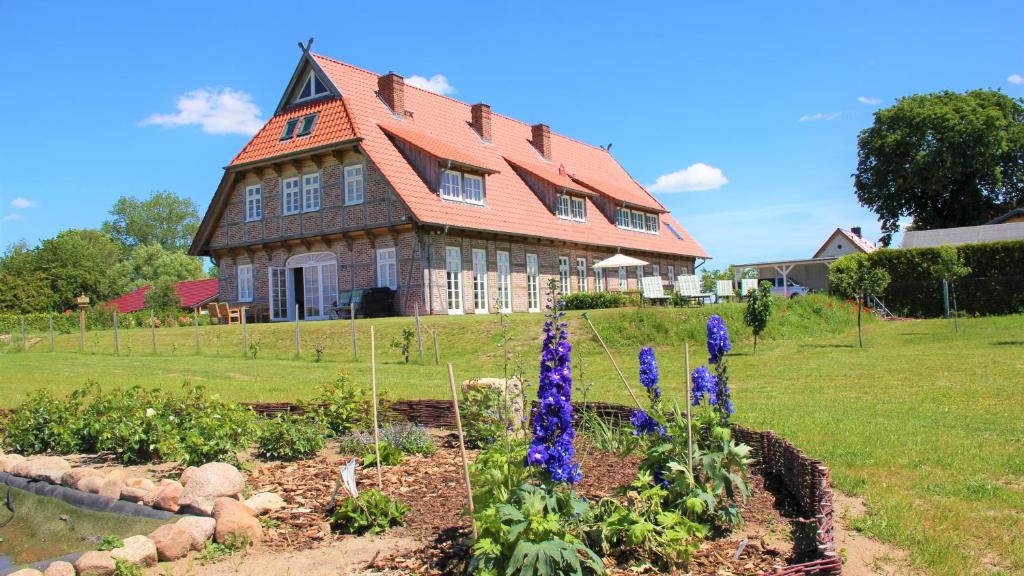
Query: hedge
[[594, 300], [994, 286], [96, 318]]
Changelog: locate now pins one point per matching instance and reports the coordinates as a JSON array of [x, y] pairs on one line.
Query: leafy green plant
[[609, 436], [594, 300], [290, 438], [342, 405], [403, 343], [759, 310], [389, 455], [854, 276], [409, 438], [484, 415], [42, 424], [254, 348], [497, 471], [372, 512], [124, 567], [214, 552], [318, 350], [109, 542]]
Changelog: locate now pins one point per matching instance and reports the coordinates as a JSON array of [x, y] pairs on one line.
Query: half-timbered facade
[[360, 181]]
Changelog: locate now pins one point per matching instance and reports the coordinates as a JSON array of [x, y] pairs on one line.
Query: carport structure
[[811, 273]]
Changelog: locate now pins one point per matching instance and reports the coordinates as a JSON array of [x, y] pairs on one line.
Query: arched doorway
[[308, 283]]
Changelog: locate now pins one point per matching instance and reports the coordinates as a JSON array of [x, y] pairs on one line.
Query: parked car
[[793, 290]]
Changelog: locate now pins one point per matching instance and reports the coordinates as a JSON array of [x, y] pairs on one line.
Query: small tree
[[709, 276], [759, 309], [162, 297], [949, 267], [852, 276]]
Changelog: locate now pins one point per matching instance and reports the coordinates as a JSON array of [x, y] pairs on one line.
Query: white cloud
[[694, 177], [436, 83], [1015, 79], [23, 203], [869, 101], [217, 110], [819, 116], [12, 216]]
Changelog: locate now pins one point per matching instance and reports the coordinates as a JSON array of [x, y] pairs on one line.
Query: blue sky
[[759, 102]]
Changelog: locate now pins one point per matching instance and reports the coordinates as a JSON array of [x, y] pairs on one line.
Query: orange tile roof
[[332, 125], [438, 148]]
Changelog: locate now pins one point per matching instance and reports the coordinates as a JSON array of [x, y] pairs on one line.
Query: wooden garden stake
[[245, 335], [117, 338], [195, 320], [297, 331], [152, 330], [352, 315], [614, 364], [24, 342], [462, 443], [51, 332], [689, 425], [437, 353], [419, 335], [373, 387]]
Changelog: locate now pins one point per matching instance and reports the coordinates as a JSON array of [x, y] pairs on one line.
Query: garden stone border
[[86, 500]]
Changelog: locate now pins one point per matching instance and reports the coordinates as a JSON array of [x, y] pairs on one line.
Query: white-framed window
[[622, 279], [639, 276], [563, 275], [656, 270], [453, 278], [479, 280], [253, 203], [311, 192], [387, 268], [581, 274], [564, 209], [290, 198], [245, 282], [652, 223], [278, 293], [637, 221], [622, 218], [504, 282], [312, 88], [671, 275], [579, 209], [599, 279], [451, 185], [354, 193], [532, 283], [473, 189]]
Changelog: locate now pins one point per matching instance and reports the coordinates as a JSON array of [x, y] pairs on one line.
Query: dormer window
[[637, 220], [313, 88], [462, 187], [571, 208]]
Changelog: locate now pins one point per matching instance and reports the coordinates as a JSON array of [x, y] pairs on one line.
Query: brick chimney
[[482, 120], [542, 140], [391, 88], [856, 231]]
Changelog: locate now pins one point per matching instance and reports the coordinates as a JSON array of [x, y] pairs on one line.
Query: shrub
[[389, 455], [42, 424], [109, 542], [594, 300], [372, 512], [409, 438], [484, 415], [341, 405], [290, 438]]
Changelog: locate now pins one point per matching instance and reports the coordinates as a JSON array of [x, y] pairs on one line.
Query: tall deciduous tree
[[164, 218], [162, 298], [152, 262], [943, 159], [853, 276]]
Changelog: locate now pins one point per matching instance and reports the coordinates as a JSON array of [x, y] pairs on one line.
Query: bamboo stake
[[195, 321], [689, 419], [24, 342], [51, 332], [612, 358], [373, 385], [352, 315], [297, 337], [419, 335], [152, 330], [462, 444], [117, 337], [437, 353], [245, 335]]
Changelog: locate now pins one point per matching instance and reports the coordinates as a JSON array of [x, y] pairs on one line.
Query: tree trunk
[[755, 342], [860, 304]]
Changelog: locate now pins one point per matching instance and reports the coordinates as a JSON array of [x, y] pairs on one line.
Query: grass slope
[[923, 423]]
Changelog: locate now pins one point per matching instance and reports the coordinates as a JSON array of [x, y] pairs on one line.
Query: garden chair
[[746, 285], [723, 290], [214, 312], [653, 290], [232, 315], [688, 289]]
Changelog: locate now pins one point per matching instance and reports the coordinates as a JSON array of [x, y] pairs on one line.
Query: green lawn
[[923, 423]]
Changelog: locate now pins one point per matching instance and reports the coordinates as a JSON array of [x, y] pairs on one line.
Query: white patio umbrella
[[620, 260]]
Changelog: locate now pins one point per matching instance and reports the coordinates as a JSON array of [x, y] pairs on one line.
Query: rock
[[59, 568], [264, 502], [207, 483], [111, 488], [27, 572], [168, 497], [116, 473], [172, 542], [75, 475], [149, 498], [186, 476], [95, 563], [9, 461], [200, 527], [235, 519], [143, 483], [133, 494], [48, 468], [91, 484], [138, 550]]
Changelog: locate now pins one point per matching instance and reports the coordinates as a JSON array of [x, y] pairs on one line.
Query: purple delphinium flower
[[649, 375], [704, 383], [718, 339], [551, 447], [644, 424]]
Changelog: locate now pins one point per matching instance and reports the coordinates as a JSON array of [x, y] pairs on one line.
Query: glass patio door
[[312, 303], [279, 292]]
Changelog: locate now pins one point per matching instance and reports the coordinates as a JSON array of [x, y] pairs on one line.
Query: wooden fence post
[[462, 443], [81, 329], [245, 335], [437, 353], [152, 330], [195, 321], [419, 335], [373, 387], [51, 332], [352, 315], [117, 337], [297, 342], [24, 342]]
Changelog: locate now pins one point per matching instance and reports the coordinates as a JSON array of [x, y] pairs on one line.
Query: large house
[[360, 180]]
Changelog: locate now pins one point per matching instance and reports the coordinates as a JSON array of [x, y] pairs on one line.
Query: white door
[[479, 281], [504, 283], [387, 268], [279, 309], [453, 278], [532, 283], [311, 293]]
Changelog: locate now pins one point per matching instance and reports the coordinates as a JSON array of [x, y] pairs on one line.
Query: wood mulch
[[433, 489]]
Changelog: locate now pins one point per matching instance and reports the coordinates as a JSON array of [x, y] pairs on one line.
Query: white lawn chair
[[653, 290], [746, 285], [723, 290], [689, 289]]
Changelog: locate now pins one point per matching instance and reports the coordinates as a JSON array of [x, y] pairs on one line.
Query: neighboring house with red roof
[[360, 181], [192, 294]]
